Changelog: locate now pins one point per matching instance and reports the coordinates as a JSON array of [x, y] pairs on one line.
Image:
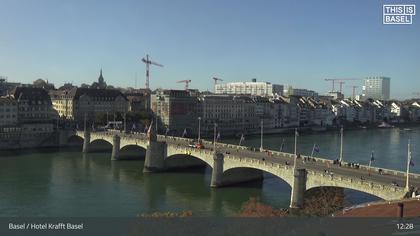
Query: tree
[[323, 201], [254, 208], [66, 86]]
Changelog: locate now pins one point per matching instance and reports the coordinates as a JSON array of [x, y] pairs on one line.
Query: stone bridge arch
[[177, 156], [74, 140], [132, 152], [100, 145], [386, 192], [285, 173], [133, 142]]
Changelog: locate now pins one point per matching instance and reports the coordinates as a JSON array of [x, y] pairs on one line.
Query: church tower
[[101, 78], [101, 81]]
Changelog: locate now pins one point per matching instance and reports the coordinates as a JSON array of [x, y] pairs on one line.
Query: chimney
[[400, 210]]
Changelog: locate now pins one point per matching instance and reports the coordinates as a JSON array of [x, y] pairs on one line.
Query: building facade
[[232, 114], [138, 100], [249, 88], [77, 103], [34, 105], [376, 87], [175, 111], [8, 112], [6, 87], [290, 91]]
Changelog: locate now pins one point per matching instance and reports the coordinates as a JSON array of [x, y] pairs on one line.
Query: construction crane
[[146, 60], [354, 87], [186, 81], [341, 81], [341, 85], [216, 79], [215, 82]]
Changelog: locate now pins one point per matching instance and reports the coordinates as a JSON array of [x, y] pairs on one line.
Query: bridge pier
[[217, 173], [155, 157], [115, 148], [63, 136], [298, 190], [86, 141]]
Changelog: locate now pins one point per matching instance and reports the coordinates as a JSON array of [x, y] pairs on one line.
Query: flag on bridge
[[282, 146], [218, 136], [184, 133], [167, 131], [372, 159], [242, 139], [316, 148], [93, 126], [149, 130], [411, 159]]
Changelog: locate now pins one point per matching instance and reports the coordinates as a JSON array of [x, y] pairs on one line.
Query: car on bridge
[[198, 145]]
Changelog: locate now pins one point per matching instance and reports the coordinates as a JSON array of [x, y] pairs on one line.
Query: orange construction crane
[[186, 81], [146, 60]]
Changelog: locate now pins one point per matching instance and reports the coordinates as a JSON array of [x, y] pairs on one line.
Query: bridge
[[233, 164]]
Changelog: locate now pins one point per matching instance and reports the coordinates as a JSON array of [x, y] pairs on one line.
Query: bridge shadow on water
[[132, 152]]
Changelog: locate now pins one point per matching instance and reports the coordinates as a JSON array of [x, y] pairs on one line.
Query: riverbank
[[410, 208]]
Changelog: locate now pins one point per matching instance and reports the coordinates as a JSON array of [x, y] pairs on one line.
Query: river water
[[68, 183]]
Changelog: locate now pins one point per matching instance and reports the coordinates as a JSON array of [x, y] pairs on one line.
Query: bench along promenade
[[233, 164]]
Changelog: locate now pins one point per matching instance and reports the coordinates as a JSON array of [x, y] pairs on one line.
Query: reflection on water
[[73, 184]]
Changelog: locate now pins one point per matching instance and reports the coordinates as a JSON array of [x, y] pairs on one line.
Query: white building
[[290, 91], [249, 88], [376, 87]]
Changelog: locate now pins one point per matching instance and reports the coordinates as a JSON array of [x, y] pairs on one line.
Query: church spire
[[101, 78]]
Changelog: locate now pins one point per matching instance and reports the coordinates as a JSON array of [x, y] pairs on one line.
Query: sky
[[297, 43]]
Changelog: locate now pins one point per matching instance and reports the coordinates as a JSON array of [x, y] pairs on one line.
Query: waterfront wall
[[25, 140]]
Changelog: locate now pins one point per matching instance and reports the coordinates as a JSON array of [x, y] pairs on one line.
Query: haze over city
[[281, 42]]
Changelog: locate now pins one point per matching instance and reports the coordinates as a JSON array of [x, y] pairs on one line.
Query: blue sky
[[290, 42]]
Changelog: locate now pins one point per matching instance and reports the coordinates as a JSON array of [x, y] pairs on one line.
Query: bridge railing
[[369, 184], [383, 170]]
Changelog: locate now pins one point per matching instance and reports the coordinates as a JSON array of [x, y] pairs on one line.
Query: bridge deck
[[318, 165]]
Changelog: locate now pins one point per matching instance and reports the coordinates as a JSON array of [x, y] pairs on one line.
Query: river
[[68, 183]]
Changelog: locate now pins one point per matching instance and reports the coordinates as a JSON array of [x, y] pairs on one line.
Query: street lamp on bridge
[[341, 144], [214, 141], [409, 162], [296, 135], [125, 122], [84, 123], [262, 134], [199, 128]]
